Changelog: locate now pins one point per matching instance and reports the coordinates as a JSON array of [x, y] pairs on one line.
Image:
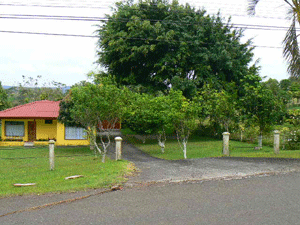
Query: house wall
[[61, 137], [46, 131], [25, 138], [43, 131]]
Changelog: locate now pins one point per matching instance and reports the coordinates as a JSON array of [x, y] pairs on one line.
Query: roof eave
[[48, 118]]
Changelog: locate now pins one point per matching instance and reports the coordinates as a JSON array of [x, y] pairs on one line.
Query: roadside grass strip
[[31, 165]]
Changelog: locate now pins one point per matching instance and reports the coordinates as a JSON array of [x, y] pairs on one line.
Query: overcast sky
[[68, 59]]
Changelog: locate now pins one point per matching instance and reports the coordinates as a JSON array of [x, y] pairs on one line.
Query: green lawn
[[31, 165], [208, 147]]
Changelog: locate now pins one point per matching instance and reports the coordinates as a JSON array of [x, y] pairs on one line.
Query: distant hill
[[65, 89]]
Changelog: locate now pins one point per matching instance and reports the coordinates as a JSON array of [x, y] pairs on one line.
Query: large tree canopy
[[150, 42]]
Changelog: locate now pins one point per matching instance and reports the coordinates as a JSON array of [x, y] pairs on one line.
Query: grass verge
[[202, 147], [31, 165]]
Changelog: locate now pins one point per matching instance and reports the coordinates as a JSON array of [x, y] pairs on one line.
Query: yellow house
[[35, 124]]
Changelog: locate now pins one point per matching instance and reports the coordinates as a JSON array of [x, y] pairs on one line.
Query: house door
[[31, 131]]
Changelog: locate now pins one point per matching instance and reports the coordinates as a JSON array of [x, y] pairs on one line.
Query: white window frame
[[75, 133], [14, 128]]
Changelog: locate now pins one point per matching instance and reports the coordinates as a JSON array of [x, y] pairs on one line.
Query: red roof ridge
[[26, 104], [36, 109]]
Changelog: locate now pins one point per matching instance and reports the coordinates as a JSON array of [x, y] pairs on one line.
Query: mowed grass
[[202, 147], [31, 165]]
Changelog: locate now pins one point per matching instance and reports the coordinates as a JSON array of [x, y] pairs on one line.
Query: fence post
[[51, 154], [226, 143], [118, 147], [276, 141]]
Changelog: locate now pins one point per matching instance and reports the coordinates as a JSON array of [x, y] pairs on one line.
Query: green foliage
[[4, 103], [96, 107], [93, 104], [292, 133], [148, 114], [295, 89], [65, 116], [187, 86], [156, 43], [293, 117], [262, 107], [285, 84], [221, 106], [183, 113]]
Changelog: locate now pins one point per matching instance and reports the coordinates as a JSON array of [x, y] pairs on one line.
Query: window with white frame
[[14, 129], [75, 133]]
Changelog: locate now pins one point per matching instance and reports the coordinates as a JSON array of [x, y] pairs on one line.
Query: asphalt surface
[[256, 200], [158, 170], [161, 194]]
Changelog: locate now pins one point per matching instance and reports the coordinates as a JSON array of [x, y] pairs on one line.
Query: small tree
[[98, 108], [262, 107], [183, 114], [221, 106], [148, 116]]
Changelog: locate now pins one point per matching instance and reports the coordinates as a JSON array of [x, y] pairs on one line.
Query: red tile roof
[[39, 109]]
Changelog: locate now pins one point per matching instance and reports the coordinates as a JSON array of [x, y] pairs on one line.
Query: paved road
[[256, 200], [218, 196]]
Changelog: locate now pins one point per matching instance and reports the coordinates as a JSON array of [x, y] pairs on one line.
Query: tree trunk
[[92, 147], [184, 148], [162, 146], [161, 142], [103, 157], [144, 139], [92, 138], [105, 147]]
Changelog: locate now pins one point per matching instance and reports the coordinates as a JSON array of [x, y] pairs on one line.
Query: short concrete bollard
[[51, 154], [118, 147], [226, 143], [276, 141]]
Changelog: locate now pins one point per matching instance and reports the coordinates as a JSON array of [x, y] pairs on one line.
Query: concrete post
[[276, 141], [51, 154], [226, 143], [118, 147]]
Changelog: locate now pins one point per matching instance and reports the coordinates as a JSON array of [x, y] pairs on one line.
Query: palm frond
[[291, 50], [251, 7]]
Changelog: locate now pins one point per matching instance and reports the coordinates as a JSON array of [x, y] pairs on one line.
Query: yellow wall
[[43, 131], [46, 131], [25, 138], [61, 137]]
